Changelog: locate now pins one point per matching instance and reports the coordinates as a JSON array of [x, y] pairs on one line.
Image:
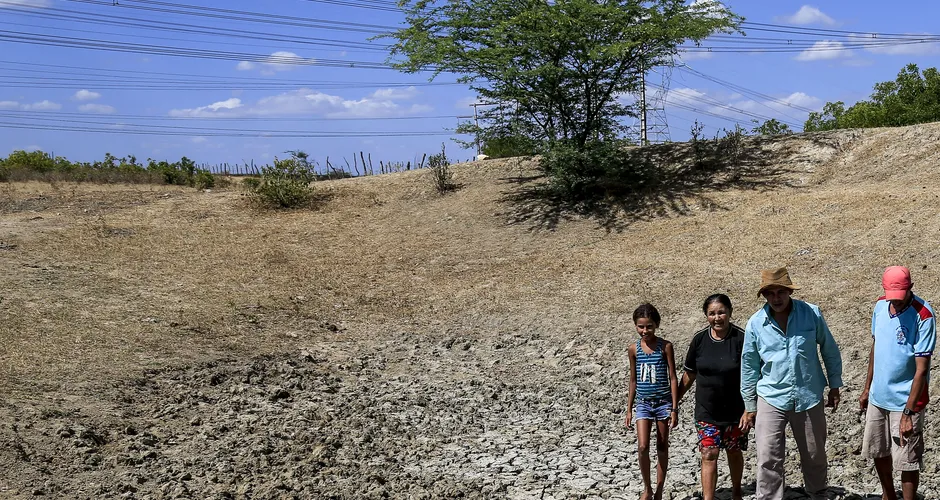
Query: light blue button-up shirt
[[784, 368]]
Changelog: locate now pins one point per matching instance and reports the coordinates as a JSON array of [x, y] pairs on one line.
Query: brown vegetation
[[98, 283]]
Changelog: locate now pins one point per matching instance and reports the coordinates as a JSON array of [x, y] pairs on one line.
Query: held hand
[[906, 427], [834, 398], [747, 421]]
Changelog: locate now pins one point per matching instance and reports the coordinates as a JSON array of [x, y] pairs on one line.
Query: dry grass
[[98, 282]]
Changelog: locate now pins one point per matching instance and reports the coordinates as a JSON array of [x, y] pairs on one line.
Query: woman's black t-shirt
[[717, 365]]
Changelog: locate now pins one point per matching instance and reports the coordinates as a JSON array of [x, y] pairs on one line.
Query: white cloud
[[685, 96], [465, 102], [396, 93], [86, 95], [824, 50], [802, 99], [198, 139], [785, 105], [689, 55], [808, 15], [103, 109], [39, 4], [277, 61], [214, 109], [738, 107], [42, 106], [307, 102], [36, 106]]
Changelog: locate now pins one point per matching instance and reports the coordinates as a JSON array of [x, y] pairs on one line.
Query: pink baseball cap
[[896, 282]]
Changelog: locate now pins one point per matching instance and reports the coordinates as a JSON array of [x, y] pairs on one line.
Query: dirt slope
[[166, 343]]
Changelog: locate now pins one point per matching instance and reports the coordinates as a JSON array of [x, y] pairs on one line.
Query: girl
[[653, 380]]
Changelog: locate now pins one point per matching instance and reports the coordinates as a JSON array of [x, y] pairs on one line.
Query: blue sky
[[85, 77]]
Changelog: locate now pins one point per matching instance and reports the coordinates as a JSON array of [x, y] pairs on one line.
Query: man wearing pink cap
[[895, 394]]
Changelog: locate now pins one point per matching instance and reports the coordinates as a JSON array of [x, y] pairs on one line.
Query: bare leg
[[736, 467], [909, 481], [662, 455], [643, 428], [886, 475], [709, 472]]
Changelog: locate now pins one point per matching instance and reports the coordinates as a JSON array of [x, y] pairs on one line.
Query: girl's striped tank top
[[651, 372]]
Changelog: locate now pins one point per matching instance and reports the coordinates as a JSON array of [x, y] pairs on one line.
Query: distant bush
[[251, 183], [286, 184], [39, 165], [182, 173], [441, 176]]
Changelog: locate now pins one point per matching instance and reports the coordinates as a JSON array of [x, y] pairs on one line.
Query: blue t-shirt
[[898, 340]]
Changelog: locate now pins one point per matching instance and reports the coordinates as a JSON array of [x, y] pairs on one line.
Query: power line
[[829, 32], [166, 130], [720, 49], [381, 6], [128, 47], [741, 89], [347, 47], [176, 27], [245, 16], [126, 74], [728, 107], [66, 114]]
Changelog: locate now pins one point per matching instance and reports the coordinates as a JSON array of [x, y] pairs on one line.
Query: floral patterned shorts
[[724, 438]]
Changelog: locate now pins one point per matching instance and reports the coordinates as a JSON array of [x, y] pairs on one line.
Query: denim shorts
[[653, 409]]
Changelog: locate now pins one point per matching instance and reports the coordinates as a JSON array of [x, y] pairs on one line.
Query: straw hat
[[775, 277]]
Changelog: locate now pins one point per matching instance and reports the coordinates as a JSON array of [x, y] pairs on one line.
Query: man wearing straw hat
[[904, 334], [782, 383]]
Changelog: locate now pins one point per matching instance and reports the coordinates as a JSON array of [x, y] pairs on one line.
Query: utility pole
[[644, 140], [476, 121]]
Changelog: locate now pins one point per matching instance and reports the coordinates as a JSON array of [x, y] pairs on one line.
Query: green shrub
[[38, 165], [181, 173], [441, 176], [509, 146], [596, 169], [203, 179], [287, 183]]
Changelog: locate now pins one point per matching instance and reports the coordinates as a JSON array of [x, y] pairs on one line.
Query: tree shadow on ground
[[648, 182], [834, 493]]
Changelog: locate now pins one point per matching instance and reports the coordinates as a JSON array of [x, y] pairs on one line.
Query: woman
[[714, 360]]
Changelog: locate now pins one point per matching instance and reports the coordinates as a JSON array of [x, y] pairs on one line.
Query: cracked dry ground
[[516, 417]]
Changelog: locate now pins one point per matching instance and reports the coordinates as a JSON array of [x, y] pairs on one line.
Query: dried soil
[[166, 343]]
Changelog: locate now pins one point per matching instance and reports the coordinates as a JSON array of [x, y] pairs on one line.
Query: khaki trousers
[[809, 432]]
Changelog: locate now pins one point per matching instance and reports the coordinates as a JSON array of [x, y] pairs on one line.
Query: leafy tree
[[554, 70], [913, 97], [771, 127]]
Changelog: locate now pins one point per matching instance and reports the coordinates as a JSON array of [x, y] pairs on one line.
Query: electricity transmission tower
[[652, 126]]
